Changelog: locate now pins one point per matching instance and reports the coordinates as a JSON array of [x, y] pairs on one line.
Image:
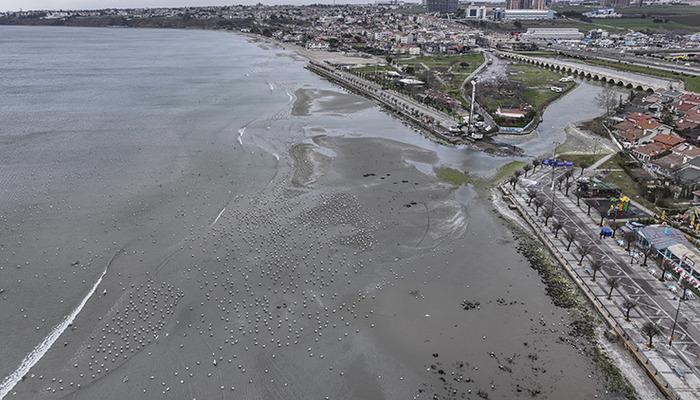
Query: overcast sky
[[92, 4]]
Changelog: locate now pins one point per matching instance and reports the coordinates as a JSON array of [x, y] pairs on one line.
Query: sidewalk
[[677, 365]]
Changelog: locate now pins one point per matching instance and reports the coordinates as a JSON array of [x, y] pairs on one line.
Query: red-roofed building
[[649, 151], [650, 125], [685, 124], [691, 98], [668, 140], [687, 151], [693, 114], [630, 137]]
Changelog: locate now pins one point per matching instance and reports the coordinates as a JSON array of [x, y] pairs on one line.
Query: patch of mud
[[307, 164], [310, 101]]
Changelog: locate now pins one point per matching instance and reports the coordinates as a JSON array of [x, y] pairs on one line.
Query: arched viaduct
[[620, 78]]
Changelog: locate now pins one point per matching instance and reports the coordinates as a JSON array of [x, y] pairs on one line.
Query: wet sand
[[269, 256]]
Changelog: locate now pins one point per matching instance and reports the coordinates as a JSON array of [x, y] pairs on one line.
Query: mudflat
[[240, 249]]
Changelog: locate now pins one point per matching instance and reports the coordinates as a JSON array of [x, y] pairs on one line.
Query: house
[[649, 151], [660, 237], [669, 140], [687, 151], [688, 177], [666, 165], [628, 133]]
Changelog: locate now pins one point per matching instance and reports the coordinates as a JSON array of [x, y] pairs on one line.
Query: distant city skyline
[[15, 5]]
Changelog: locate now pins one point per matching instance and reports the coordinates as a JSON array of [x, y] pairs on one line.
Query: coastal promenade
[[673, 368]]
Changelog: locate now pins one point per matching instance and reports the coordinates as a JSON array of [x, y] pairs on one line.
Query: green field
[[445, 73], [533, 84], [676, 17]]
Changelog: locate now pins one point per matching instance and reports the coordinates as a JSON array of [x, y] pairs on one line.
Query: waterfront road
[[656, 301]]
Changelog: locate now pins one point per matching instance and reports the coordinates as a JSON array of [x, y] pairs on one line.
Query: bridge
[[608, 75]]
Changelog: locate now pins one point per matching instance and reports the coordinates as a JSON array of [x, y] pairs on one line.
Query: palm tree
[[596, 265], [538, 203], [628, 305], [526, 169], [630, 237], [613, 283], [570, 236], [584, 250], [650, 329], [665, 267], [547, 214], [556, 226], [531, 194], [517, 173]]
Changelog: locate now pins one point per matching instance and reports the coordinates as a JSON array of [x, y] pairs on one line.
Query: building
[[526, 5], [475, 12], [616, 3], [513, 14], [514, 4], [442, 6], [552, 33], [603, 13]]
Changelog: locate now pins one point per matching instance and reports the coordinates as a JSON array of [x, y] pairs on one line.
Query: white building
[[603, 13], [475, 12], [558, 34], [511, 15]]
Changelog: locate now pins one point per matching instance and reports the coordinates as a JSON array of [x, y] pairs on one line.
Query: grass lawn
[[624, 181], [680, 17], [536, 83], [459, 178], [639, 24], [451, 70]]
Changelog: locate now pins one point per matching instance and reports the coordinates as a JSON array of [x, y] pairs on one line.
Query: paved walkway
[[678, 364]]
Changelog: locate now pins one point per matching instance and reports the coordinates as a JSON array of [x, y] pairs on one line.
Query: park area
[[443, 73], [526, 87], [437, 79]]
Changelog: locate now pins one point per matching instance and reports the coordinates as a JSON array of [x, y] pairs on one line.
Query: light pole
[[554, 165], [675, 321]]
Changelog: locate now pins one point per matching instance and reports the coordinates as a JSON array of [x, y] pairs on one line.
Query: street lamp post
[[675, 321], [554, 166]]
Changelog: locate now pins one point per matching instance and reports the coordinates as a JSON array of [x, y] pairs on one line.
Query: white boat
[[556, 89]]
